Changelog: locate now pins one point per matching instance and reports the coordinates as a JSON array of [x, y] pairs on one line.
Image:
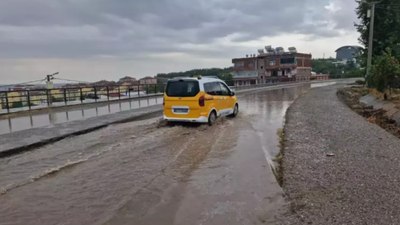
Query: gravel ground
[[337, 167]]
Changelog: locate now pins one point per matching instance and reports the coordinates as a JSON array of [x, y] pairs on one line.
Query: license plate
[[180, 110]]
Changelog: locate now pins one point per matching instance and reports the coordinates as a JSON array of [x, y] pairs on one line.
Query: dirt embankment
[[377, 115]]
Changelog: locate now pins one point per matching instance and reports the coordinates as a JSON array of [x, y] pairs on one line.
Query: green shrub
[[385, 72]]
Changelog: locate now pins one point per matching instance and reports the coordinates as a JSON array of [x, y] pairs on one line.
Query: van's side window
[[224, 89], [212, 88]]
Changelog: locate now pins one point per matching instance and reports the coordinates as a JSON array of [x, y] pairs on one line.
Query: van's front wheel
[[235, 110], [212, 118]]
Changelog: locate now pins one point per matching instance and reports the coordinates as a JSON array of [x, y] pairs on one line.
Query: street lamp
[[49, 79], [51, 76], [371, 36], [49, 85]]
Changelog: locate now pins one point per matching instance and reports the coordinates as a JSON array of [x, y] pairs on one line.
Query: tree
[[227, 77], [324, 66], [386, 36], [387, 22], [223, 74], [386, 72], [336, 70]]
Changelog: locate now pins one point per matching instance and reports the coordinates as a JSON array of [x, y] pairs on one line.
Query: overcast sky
[[90, 40]]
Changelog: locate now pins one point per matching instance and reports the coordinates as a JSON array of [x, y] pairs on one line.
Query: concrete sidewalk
[[337, 167]]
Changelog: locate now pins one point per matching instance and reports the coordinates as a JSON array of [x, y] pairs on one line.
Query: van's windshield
[[182, 88]]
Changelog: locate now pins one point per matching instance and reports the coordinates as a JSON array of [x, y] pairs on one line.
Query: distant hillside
[[223, 74]]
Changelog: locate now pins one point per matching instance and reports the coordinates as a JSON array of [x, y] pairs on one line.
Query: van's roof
[[200, 79]]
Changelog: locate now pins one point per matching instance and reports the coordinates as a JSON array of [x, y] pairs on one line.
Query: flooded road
[[145, 172]]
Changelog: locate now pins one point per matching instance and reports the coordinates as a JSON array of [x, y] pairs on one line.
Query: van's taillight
[[202, 100]]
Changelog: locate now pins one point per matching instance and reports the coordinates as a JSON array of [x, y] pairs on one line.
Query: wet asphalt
[[146, 172]]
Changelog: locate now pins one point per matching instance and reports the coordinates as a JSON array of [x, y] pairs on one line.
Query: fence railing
[[264, 83], [20, 100]]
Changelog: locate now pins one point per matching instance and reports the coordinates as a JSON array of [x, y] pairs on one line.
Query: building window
[[262, 67], [239, 64], [287, 61], [272, 62]]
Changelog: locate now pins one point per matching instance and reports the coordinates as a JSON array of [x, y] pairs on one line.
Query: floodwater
[[323, 84], [145, 172], [13, 124]]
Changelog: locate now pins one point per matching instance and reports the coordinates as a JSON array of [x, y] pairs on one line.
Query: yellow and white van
[[200, 100]]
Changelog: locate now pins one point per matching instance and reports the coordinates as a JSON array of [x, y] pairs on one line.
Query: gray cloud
[[133, 28]]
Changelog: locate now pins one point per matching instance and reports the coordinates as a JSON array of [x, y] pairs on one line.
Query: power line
[[42, 80], [78, 81], [28, 82]]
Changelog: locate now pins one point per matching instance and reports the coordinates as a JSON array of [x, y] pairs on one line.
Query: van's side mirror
[[232, 93]]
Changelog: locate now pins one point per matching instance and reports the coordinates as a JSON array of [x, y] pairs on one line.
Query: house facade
[[272, 65], [127, 81], [148, 80]]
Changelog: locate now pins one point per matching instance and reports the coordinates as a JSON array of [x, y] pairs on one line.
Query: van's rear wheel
[[212, 118], [235, 110]]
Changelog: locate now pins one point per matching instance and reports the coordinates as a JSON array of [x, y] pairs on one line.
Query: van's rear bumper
[[201, 119]]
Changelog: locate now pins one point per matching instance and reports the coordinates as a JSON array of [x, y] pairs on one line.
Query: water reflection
[[266, 112], [324, 84], [9, 125]]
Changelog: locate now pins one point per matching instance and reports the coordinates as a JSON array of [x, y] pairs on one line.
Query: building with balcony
[[271, 65]]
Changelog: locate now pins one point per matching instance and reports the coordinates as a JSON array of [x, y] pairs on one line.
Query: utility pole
[[370, 38], [49, 86]]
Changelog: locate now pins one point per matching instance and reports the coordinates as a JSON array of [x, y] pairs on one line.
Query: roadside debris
[[351, 97]]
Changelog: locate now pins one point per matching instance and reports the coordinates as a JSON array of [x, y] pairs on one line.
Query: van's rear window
[[182, 88]]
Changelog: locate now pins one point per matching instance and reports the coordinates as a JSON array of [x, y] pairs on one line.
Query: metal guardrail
[[268, 82], [24, 100]]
